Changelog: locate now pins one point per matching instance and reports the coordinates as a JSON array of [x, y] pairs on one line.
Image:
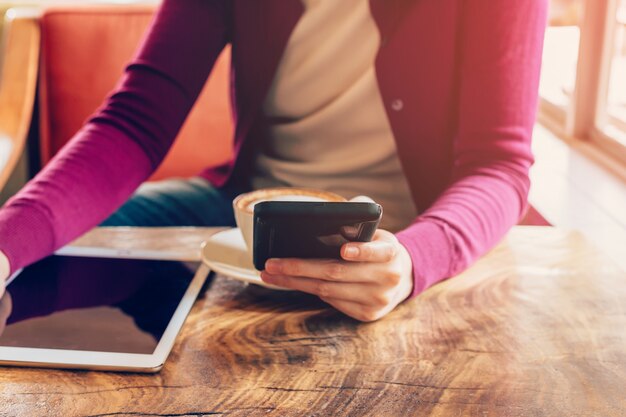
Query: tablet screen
[[93, 304]]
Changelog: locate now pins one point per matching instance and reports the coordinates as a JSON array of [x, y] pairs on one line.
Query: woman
[[426, 106]]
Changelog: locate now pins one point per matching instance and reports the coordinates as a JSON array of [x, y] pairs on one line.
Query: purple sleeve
[[501, 56], [126, 139]]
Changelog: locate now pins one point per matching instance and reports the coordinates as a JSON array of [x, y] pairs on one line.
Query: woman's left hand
[[369, 282]]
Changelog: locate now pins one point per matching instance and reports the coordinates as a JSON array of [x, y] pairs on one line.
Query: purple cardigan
[[459, 80]]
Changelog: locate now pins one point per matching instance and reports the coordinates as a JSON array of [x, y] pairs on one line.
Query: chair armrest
[[18, 85]]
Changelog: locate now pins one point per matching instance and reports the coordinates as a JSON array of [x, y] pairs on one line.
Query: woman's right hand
[[4, 271], [6, 306], [5, 299]]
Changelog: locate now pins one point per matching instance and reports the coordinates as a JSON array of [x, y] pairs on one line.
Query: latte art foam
[[247, 201]]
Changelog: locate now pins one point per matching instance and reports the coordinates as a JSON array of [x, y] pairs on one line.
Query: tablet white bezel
[[109, 361]]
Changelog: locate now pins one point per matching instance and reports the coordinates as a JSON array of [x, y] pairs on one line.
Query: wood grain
[[536, 328], [183, 242]]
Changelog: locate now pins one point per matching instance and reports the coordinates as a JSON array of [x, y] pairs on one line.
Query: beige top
[[330, 130]]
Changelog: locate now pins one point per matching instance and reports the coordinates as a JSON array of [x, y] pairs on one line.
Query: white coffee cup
[[243, 205]]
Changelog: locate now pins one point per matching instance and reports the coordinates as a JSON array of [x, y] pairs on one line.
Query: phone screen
[[310, 230]]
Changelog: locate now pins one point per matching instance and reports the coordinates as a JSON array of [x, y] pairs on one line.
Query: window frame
[[586, 115]]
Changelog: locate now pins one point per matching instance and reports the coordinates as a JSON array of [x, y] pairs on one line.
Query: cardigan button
[[397, 104]]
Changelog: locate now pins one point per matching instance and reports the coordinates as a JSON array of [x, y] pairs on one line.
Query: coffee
[[244, 204]]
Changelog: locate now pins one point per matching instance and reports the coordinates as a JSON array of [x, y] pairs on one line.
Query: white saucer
[[226, 253]]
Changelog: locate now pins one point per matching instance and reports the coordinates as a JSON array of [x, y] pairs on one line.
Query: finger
[[5, 306], [331, 270], [382, 234], [374, 251], [355, 310], [358, 293]]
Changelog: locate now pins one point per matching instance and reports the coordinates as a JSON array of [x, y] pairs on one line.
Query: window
[[583, 84], [612, 120], [560, 56]]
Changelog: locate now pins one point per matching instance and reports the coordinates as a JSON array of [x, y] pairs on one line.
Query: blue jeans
[[177, 202]]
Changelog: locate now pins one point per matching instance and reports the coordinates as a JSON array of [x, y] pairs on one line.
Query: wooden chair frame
[[18, 86]]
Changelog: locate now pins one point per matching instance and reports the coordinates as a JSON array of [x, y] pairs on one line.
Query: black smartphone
[[285, 229]]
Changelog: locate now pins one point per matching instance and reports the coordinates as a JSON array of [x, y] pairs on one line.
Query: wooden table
[[536, 328]]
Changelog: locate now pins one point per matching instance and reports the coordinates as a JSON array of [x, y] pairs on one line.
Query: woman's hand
[[5, 299], [6, 306], [370, 281], [4, 271]]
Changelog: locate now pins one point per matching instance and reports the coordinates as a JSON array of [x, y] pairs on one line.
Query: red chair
[[84, 51]]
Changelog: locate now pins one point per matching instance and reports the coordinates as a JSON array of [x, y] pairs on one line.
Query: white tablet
[[87, 309]]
